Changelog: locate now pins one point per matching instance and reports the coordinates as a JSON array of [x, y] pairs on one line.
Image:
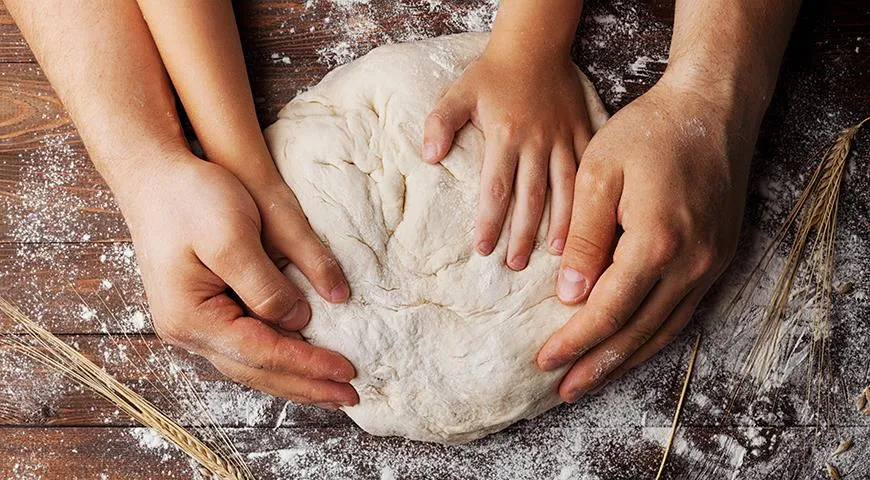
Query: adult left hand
[[658, 202]]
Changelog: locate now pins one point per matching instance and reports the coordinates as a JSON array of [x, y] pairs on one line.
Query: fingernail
[[430, 151], [348, 403], [519, 262], [327, 406], [339, 293], [297, 317], [484, 247], [557, 246], [571, 285]]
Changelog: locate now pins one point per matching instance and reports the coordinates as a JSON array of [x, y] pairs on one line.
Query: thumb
[[240, 260], [591, 236], [452, 113]]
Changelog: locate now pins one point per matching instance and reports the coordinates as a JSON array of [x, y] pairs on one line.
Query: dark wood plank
[[34, 395], [73, 287], [13, 47], [331, 453], [49, 189], [51, 194]]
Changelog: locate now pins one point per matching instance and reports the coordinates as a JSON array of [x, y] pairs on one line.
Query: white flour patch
[[148, 438], [358, 26], [58, 190]]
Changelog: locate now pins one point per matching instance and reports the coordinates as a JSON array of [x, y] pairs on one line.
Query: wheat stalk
[[673, 431], [44, 347], [815, 217]]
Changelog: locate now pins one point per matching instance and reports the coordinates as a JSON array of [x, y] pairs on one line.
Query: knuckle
[[537, 178], [535, 200], [610, 321], [591, 181], [704, 262], [437, 118], [665, 246], [537, 139], [663, 339], [506, 130], [582, 249], [641, 334], [173, 333], [226, 240], [248, 377], [273, 302], [272, 357], [497, 190], [301, 358], [325, 266]]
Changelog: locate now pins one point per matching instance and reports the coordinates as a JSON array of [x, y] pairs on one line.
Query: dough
[[443, 339]]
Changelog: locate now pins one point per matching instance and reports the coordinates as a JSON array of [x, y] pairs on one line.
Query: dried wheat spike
[[833, 472], [844, 446]]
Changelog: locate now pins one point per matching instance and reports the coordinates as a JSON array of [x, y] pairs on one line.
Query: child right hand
[[531, 110]]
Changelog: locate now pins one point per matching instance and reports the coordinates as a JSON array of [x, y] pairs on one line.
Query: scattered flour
[[60, 192]]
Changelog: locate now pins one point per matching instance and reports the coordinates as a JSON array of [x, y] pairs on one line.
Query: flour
[[361, 25], [402, 231], [624, 425]]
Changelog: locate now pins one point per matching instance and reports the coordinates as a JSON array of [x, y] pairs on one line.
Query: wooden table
[[61, 236]]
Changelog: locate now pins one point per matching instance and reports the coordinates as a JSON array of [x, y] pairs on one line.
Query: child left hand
[[531, 111]]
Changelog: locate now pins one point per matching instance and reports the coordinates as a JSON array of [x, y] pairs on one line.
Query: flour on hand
[[443, 340]]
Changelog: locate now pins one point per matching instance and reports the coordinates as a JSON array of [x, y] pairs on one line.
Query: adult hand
[[658, 202], [203, 238], [531, 110]]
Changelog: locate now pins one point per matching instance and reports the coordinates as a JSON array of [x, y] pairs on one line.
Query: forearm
[[200, 46], [731, 48], [536, 30], [103, 65]]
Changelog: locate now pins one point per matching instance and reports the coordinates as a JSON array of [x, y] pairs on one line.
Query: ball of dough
[[443, 340]]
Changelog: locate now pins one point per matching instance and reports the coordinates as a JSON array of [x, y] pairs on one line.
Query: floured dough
[[443, 339]]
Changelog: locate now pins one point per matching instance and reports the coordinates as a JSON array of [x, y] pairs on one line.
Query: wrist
[[133, 175], [530, 31], [734, 90]]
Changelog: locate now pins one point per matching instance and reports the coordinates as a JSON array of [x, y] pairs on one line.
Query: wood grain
[[331, 453], [65, 259], [43, 397]]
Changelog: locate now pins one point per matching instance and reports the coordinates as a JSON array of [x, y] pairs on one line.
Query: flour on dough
[[443, 339]]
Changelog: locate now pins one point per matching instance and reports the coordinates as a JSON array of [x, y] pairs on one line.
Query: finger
[[293, 387], [531, 194], [563, 169], [669, 330], [594, 366], [298, 242], [496, 183], [240, 261], [450, 114], [592, 231], [614, 299], [253, 343]]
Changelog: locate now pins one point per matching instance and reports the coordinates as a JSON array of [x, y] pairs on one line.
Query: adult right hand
[[202, 239]]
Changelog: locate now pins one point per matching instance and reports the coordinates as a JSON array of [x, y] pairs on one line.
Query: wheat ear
[[44, 347]]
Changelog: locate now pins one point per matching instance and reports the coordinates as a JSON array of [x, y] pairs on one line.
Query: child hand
[[533, 116]]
